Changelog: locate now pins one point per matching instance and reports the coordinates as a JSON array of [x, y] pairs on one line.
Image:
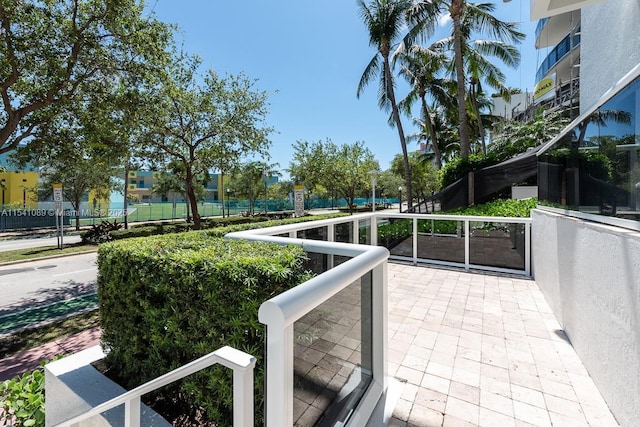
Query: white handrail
[[240, 362]]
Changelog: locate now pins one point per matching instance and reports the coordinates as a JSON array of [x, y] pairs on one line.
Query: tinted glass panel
[[497, 244], [595, 167], [332, 357], [397, 236], [441, 240]]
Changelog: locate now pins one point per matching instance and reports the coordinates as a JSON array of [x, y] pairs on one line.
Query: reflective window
[[595, 167]]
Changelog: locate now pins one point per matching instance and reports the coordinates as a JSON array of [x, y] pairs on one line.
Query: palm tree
[[385, 20], [467, 19], [421, 68]]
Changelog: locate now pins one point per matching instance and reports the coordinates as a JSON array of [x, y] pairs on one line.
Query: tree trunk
[[126, 196], [476, 110], [193, 201], [396, 118], [456, 10], [432, 133]]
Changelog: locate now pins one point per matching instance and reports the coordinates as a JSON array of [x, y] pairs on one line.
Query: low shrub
[[234, 223], [22, 400], [166, 300], [397, 230]]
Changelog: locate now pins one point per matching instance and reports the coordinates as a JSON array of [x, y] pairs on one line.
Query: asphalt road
[[40, 283], [36, 242]]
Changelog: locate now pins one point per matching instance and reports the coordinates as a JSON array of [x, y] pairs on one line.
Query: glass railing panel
[[333, 357], [497, 244], [397, 236], [364, 231], [441, 240], [343, 232], [318, 233]]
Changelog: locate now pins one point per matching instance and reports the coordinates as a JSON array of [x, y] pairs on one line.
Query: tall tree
[[467, 19], [201, 118], [385, 21], [54, 52], [422, 68], [77, 150], [343, 170]]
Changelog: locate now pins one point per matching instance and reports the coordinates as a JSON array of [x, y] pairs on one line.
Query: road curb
[[2, 264]]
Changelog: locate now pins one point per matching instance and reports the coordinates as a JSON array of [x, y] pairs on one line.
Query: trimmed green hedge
[[399, 229], [167, 300], [234, 223]]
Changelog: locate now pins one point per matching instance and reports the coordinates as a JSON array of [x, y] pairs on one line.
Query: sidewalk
[[30, 359]]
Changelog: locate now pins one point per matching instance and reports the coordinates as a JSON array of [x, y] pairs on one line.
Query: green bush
[[234, 223], [458, 167], [167, 300], [503, 208], [397, 230], [22, 400]]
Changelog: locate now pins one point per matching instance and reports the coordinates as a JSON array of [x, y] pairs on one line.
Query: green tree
[[385, 20], [341, 170], [250, 181], [424, 174], [421, 68], [52, 53], [467, 19], [203, 118], [514, 137]]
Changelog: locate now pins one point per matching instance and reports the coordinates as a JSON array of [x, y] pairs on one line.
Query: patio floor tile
[[483, 349]]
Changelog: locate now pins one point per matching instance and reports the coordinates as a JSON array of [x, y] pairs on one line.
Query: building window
[[595, 166]]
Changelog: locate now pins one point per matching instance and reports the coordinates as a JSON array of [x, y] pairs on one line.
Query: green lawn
[[41, 252]]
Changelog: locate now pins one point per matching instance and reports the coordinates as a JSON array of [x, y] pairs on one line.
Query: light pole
[[374, 177], [266, 196], [228, 203], [400, 199]]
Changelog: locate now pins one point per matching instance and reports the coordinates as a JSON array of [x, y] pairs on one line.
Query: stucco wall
[[590, 276], [609, 46]]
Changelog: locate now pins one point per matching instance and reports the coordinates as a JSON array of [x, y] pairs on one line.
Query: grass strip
[[30, 338], [44, 251]]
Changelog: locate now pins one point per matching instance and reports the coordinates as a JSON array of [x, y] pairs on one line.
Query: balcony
[[428, 346], [558, 53]]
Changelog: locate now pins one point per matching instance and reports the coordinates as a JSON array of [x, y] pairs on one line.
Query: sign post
[[298, 200], [57, 201]]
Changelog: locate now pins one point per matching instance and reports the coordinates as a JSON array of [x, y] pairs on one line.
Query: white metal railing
[[466, 221], [280, 313], [241, 363]]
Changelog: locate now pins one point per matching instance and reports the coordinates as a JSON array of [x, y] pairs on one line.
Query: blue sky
[[310, 54]]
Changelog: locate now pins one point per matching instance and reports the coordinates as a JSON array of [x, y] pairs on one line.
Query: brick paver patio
[[483, 349]]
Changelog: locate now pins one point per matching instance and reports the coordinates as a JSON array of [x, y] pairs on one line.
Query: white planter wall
[[73, 386], [590, 276]]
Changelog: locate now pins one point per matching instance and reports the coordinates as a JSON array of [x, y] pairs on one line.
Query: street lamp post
[[266, 196], [400, 198], [228, 203], [374, 178]]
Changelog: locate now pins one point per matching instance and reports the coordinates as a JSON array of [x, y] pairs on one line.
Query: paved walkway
[[472, 349], [486, 350], [30, 359]]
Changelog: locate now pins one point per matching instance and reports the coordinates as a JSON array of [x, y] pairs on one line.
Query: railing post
[[132, 412], [243, 397], [356, 231], [374, 229], [415, 241], [331, 234], [466, 244], [527, 248], [279, 377]]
